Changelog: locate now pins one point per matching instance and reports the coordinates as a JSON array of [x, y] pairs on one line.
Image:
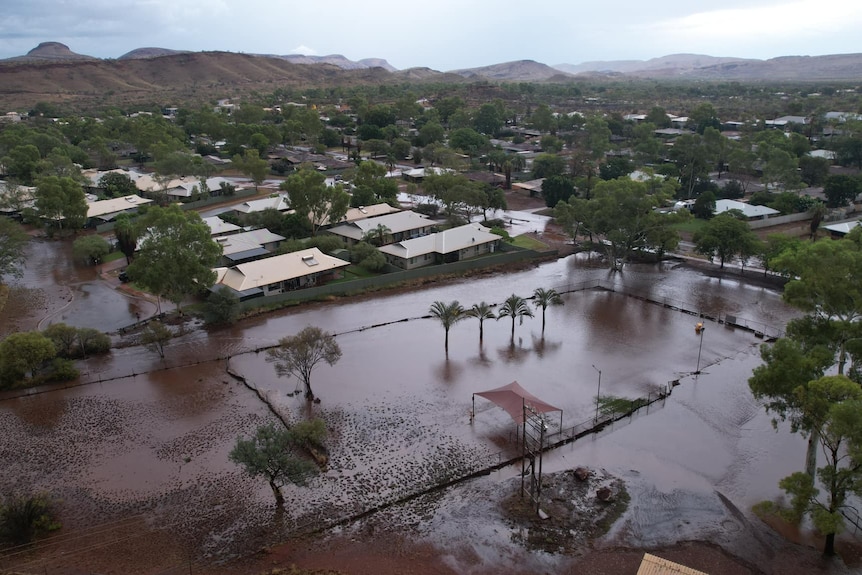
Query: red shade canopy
[[513, 398]]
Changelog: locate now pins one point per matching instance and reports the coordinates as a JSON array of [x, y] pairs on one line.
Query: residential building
[[400, 225], [108, 210], [750, 212], [452, 245], [247, 246], [279, 274]]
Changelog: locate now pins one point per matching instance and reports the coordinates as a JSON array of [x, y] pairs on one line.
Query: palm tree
[[817, 211], [514, 306], [481, 311], [448, 314], [377, 235], [542, 298]]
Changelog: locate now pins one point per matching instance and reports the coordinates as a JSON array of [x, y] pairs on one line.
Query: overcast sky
[[440, 34]]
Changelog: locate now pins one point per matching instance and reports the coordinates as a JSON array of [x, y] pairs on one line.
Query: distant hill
[[701, 67], [51, 51], [184, 77], [149, 53], [337, 60], [517, 71]]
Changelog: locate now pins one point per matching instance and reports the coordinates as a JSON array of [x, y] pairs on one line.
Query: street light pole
[[598, 392], [699, 328]]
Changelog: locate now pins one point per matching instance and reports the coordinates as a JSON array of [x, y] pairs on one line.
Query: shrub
[[62, 370], [24, 518], [221, 307]]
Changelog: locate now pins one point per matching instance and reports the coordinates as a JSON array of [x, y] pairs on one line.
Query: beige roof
[[444, 242], [363, 212], [218, 226], [397, 223], [652, 565], [276, 269], [114, 205]]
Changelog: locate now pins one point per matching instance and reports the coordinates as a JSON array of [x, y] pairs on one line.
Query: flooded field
[[153, 447]]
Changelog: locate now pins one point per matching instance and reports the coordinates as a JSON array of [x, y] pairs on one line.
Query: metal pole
[[700, 348], [598, 393]]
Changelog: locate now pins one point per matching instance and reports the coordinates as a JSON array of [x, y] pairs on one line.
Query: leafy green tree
[[622, 212], [252, 165], [725, 237], [691, 154], [831, 406], [841, 189], [92, 341], [22, 163], [297, 355], [658, 117], [61, 202], [548, 165], [155, 337], [704, 205], [117, 185], [64, 337], [827, 285], [91, 249], [126, 233], [270, 453], [615, 168], [773, 247], [221, 307], [481, 311], [543, 119], [448, 314], [813, 171], [780, 167], [310, 195], [13, 241], [542, 298], [556, 189], [468, 141], [176, 254], [24, 353], [514, 307], [488, 120], [24, 518], [372, 185]]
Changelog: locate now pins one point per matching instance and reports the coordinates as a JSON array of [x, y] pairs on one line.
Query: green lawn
[[529, 243], [113, 256], [691, 226]]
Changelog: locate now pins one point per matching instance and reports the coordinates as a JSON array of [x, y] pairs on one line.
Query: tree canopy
[[176, 254], [310, 195]]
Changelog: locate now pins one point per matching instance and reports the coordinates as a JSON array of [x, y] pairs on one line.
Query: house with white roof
[[365, 212], [247, 246], [452, 245], [219, 227], [279, 274], [401, 226], [108, 210], [842, 229], [279, 202], [750, 212]]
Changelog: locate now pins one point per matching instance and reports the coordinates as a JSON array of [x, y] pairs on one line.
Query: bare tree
[[297, 355]]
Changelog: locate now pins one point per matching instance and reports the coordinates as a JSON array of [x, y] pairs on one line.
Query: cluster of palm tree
[[515, 307]]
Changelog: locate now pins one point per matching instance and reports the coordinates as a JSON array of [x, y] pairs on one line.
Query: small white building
[[750, 212]]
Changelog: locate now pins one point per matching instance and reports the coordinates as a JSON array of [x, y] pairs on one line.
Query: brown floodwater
[[398, 409]]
